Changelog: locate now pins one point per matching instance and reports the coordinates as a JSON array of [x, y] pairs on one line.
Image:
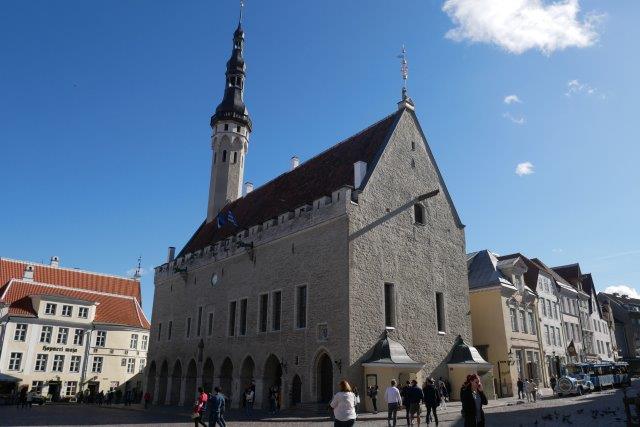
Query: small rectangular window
[[170, 330], [70, 389], [133, 343], [101, 338], [232, 318], [41, 363], [58, 363], [210, 324], [21, 332], [389, 305], [514, 319], [188, 327], [264, 306], [131, 365], [63, 334], [159, 331], [67, 310], [78, 337], [50, 309], [15, 361], [301, 307], [199, 324], [75, 364], [83, 312], [45, 335], [145, 342], [440, 312], [96, 366], [418, 213], [276, 311], [243, 316]]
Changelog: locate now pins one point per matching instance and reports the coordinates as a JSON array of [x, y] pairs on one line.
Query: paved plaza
[[596, 409]]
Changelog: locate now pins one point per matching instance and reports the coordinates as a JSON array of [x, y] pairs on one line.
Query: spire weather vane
[[138, 274], [241, 11], [404, 69]]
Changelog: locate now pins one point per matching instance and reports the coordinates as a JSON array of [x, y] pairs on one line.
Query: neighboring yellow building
[[504, 319]]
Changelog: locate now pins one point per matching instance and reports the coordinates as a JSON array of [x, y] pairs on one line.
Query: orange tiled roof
[[13, 269], [112, 308]]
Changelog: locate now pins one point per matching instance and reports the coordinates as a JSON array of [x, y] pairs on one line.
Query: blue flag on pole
[[232, 218]]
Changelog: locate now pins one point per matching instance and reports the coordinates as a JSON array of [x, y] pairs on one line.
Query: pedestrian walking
[[532, 391], [404, 393], [357, 399], [553, 382], [198, 408], [414, 399], [147, 399], [473, 398], [431, 400], [249, 395], [373, 395], [344, 406], [30, 396], [273, 396], [22, 398], [216, 409], [394, 400], [520, 385]]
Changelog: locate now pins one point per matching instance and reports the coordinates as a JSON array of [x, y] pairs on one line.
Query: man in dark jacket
[[414, 399], [216, 409], [520, 385], [431, 400], [405, 400]]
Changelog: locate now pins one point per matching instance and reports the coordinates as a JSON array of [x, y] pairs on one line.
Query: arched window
[[224, 156], [418, 213]]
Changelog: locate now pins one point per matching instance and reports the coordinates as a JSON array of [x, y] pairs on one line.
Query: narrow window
[[235, 156], [514, 319], [170, 330], [238, 129], [75, 364], [21, 332], [188, 327], [440, 312], [301, 307], [145, 342], [96, 366], [101, 339], [78, 337], [199, 324], [224, 156], [159, 331], [546, 334], [133, 342], [389, 305], [413, 146], [58, 363], [532, 324], [210, 324], [83, 312], [67, 310], [264, 306], [45, 335], [226, 127], [41, 363], [50, 309], [243, 316], [418, 213], [232, 318], [63, 334], [276, 310]]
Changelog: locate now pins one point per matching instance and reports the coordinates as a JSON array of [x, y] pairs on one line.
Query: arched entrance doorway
[[272, 378], [246, 373], [226, 379], [296, 390], [162, 386], [190, 383], [324, 378], [151, 378], [176, 383], [207, 376]]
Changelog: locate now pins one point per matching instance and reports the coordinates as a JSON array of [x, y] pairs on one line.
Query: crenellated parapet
[[249, 240]]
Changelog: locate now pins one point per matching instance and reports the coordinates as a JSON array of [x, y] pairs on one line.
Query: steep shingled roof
[[14, 269], [317, 177], [112, 309]]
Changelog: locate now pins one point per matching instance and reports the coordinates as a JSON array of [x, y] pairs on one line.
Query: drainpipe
[[85, 362]]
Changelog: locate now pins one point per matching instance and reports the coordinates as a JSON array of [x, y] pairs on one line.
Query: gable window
[[83, 312], [210, 324], [301, 307], [101, 338], [264, 306], [67, 310], [50, 309], [243, 316], [45, 335], [232, 318], [41, 363], [21, 332], [389, 305], [63, 334], [440, 316], [15, 361], [418, 213], [276, 311]]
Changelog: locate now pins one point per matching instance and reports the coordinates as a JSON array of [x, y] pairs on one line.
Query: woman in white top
[[344, 406]]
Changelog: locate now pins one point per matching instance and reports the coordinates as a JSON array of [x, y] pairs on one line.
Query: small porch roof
[[390, 353]]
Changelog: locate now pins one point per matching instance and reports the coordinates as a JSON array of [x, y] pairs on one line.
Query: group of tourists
[[213, 403], [528, 388], [411, 397]]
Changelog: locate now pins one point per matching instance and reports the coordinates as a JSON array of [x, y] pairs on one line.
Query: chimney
[[55, 261], [248, 187], [295, 162], [28, 273], [172, 253], [359, 172]]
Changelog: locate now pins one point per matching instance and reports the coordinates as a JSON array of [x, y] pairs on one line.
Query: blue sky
[[105, 108]]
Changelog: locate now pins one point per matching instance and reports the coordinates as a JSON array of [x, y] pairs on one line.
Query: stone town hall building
[[350, 265]]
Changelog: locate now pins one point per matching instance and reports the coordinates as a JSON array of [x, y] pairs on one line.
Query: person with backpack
[[432, 399]]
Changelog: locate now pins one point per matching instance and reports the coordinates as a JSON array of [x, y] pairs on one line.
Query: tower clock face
[[214, 279]]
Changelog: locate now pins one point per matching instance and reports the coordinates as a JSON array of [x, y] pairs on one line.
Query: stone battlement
[[305, 216]]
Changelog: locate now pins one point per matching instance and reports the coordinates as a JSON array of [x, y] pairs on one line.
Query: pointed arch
[[323, 376], [246, 371], [296, 390], [207, 375], [272, 377], [226, 378], [191, 383], [151, 377], [162, 379], [176, 383]]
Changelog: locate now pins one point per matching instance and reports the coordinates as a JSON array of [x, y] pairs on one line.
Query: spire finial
[[241, 12], [404, 70], [137, 275]]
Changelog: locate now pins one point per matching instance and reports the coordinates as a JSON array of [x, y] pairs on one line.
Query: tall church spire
[[231, 126]]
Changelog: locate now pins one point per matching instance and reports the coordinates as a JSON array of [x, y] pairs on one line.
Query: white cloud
[[511, 99], [525, 168], [619, 254], [623, 290], [557, 250], [575, 87], [516, 120], [520, 25]]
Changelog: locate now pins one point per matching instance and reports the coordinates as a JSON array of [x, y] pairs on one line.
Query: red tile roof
[[112, 308], [13, 269], [317, 177]]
